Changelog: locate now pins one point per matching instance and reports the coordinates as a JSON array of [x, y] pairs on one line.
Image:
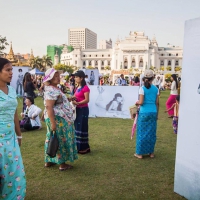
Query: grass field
[[110, 171]]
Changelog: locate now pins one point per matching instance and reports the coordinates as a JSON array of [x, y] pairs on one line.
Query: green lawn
[[110, 171]]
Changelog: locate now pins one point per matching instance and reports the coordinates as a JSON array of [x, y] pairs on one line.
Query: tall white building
[[84, 37], [105, 44], [132, 55]]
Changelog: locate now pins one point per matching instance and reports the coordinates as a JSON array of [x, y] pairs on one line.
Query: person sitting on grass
[[175, 106], [32, 111]]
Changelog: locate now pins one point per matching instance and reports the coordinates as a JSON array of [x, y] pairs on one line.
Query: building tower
[[56, 58], [11, 56]]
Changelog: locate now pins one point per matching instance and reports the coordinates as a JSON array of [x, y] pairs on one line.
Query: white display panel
[[18, 75], [93, 76], [187, 168], [112, 101]]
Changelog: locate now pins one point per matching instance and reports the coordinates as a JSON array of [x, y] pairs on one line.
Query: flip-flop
[[135, 155], [65, 168], [49, 164], [151, 156]]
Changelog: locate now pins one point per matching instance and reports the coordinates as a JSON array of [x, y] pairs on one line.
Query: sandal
[[65, 168], [151, 155], [84, 151], [138, 156], [49, 164]]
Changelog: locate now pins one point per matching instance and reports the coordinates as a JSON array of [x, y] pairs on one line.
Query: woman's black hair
[[31, 99], [3, 62], [175, 79], [137, 80], [20, 70], [178, 98], [147, 82], [119, 107], [83, 83], [27, 78]]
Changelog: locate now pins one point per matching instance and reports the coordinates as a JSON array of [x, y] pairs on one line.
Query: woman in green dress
[[12, 175]]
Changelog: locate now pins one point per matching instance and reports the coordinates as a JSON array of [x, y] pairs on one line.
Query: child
[[175, 106]]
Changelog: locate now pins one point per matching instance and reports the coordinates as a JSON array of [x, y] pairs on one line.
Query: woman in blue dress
[[12, 175], [147, 118]]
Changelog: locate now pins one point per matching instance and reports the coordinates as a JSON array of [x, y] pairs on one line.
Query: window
[[177, 54], [102, 55], [176, 63], [83, 55], [169, 54], [102, 68], [96, 63], [76, 62], [90, 63], [83, 62], [96, 55], [89, 55], [162, 54], [109, 63], [169, 63], [108, 55], [102, 63]]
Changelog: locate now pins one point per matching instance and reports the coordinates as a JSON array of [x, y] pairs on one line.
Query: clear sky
[[34, 24]]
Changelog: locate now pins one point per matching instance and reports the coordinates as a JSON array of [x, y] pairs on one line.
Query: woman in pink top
[[82, 113]]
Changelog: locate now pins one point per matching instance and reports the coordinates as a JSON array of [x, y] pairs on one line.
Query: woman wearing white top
[[172, 98], [32, 111]]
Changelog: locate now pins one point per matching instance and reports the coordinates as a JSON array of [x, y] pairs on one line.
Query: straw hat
[[49, 74], [148, 73]]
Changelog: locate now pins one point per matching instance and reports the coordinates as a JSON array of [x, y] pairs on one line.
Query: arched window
[[83, 62], [102, 55], [169, 63], [96, 63], [176, 63], [125, 63], [141, 62], [161, 63], [109, 63], [90, 63], [133, 62], [102, 63]]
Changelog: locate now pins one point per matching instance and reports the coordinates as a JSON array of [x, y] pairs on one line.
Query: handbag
[[25, 120], [133, 111], [52, 145]]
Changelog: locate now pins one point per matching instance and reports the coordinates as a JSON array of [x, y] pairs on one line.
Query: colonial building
[[132, 55]]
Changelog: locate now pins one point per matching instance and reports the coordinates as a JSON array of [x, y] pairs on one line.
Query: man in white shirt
[[158, 82], [122, 81]]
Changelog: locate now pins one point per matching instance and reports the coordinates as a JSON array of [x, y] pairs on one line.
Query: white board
[[17, 78], [93, 75], [187, 167], [112, 101]]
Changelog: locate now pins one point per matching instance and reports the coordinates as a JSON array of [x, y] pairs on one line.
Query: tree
[[63, 67], [3, 43], [90, 67], [37, 63], [168, 68], [46, 61]]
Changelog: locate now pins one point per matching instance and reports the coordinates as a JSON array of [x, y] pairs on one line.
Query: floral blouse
[[62, 106]]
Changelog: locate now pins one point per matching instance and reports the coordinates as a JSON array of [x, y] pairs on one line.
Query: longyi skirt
[[146, 133]]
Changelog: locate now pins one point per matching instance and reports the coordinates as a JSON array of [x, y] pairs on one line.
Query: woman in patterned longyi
[[58, 116], [147, 118]]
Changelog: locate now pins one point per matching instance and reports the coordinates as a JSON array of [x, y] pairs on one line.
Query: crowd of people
[[67, 117]]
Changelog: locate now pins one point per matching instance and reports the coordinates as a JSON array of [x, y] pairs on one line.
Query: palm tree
[[36, 63], [46, 61]]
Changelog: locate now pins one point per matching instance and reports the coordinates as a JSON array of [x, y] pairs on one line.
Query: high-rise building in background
[[83, 37], [105, 44]]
